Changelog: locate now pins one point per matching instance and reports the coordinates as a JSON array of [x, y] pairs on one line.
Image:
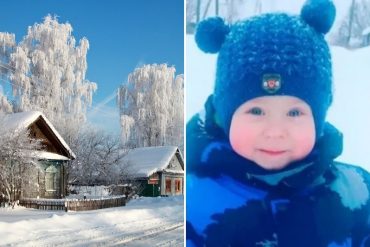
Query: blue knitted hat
[[271, 54]]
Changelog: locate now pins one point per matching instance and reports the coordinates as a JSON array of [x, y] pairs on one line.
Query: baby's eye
[[255, 111], [295, 113]]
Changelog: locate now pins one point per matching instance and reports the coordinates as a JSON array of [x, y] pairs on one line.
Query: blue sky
[[122, 35]]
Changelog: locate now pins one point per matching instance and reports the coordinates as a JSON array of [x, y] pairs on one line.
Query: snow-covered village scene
[[350, 47], [92, 123]]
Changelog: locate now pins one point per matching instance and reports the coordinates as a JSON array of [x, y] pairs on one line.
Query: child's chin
[[272, 166]]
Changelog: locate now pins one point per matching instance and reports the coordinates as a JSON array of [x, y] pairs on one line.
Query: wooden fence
[[73, 204], [43, 204], [92, 204]]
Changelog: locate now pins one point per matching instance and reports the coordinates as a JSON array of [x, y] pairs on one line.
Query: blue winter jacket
[[233, 202]]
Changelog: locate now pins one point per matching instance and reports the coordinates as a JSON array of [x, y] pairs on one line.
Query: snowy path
[[143, 222]]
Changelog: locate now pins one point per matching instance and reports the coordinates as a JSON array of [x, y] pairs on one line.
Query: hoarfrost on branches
[[17, 160], [7, 43], [352, 31], [151, 107], [230, 10], [98, 158], [5, 105], [49, 73]]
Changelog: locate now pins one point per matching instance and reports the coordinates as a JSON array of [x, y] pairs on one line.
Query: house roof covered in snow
[[49, 156], [22, 120], [148, 160]]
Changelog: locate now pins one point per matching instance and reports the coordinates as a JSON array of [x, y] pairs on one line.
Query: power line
[[11, 83], [95, 109], [12, 69], [7, 66]]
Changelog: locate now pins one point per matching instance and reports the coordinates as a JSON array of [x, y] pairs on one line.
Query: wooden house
[[159, 169], [48, 180]]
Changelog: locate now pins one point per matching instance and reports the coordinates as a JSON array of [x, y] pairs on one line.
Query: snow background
[[350, 111], [142, 222]]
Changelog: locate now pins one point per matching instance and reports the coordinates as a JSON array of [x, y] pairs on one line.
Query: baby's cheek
[[305, 145], [241, 143], [235, 141], [237, 144]]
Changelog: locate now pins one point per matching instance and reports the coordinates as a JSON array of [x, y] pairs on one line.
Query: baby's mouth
[[272, 152]]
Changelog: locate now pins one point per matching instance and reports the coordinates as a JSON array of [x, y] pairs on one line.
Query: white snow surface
[[99, 191], [350, 111], [172, 171], [49, 156], [366, 31], [148, 160], [143, 222], [21, 120]]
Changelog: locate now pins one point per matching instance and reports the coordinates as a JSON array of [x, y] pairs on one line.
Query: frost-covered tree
[[5, 105], [17, 160], [175, 129], [230, 10], [354, 29], [49, 73], [151, 107], [7, 44], [98, 158]]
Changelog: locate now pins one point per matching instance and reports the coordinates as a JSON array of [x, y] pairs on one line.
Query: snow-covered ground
[[90, 192], [143, 222], [350, 111]]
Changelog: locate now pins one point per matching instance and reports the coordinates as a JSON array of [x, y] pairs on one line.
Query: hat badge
[[271, 83]]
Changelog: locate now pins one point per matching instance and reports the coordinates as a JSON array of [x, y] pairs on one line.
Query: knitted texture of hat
[[292, 47]]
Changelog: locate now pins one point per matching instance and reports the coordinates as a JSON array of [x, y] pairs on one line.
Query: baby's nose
[[276, 131]]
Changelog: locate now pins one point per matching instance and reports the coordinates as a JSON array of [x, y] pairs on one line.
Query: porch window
[[50, 178], [168, 185], [178, 186]]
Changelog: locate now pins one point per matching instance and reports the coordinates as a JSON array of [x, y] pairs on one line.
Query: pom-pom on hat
[[271, 54]]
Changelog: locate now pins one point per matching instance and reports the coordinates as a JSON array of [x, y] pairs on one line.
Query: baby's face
[[273, 131]]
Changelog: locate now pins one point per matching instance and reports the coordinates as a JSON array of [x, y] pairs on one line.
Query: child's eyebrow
[[298, 104], [254, 104], [258, 102]]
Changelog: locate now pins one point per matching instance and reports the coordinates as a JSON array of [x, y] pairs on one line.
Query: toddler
[[260, 163]]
